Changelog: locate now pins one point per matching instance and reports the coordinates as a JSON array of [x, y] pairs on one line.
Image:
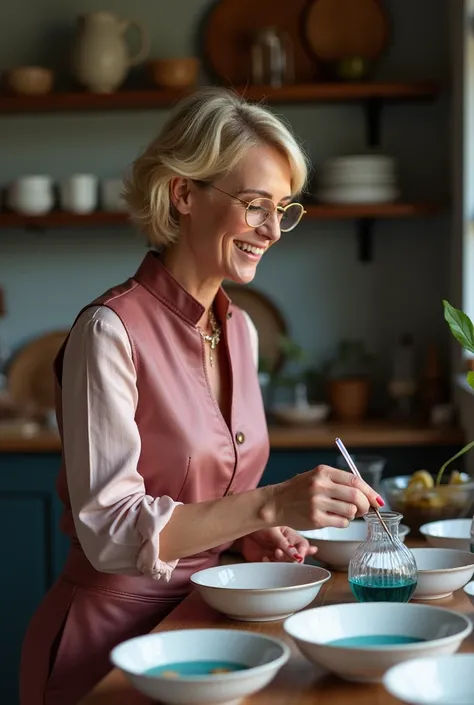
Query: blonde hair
[[204, 139]]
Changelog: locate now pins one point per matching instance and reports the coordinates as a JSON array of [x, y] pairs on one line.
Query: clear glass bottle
[[382, 570]]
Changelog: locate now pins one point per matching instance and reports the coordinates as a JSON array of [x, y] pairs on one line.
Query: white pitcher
[[101, 58]]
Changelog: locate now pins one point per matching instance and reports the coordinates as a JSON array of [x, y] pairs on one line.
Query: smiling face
[[214, 231]]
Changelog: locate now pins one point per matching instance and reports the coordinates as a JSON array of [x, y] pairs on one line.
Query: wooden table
[[299, 682]]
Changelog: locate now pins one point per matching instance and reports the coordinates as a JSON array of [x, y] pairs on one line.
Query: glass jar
[[370, 467], [383, 570]]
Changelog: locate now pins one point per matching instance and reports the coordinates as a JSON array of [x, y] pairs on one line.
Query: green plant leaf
[[461, 326], [470, 379], [455, 457]]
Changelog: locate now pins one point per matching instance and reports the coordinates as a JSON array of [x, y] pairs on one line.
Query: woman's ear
[[180, 195]]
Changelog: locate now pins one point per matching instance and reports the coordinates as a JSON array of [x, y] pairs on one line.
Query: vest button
[[240, 438], [229, 315]]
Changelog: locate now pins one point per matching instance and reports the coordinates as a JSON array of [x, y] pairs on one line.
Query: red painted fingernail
[[380, 501], [290, 545]]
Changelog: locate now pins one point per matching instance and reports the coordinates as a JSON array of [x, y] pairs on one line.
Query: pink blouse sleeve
[[117, 523]]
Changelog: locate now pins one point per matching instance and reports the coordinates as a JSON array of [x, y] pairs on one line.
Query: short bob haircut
[[204, 139]]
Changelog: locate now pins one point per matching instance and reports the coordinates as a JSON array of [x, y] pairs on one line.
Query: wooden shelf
[[370, 434], [158, 98], [61, 219]]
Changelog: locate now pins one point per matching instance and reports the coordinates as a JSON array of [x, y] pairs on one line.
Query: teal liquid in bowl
[[382, 589], [185, 669], [374, 640]]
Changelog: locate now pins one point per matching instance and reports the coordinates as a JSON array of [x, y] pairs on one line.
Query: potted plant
[[462, 329], [349, 381]]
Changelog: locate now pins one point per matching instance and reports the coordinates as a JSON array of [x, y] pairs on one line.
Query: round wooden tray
[[341, 29], [30, 375], [230, 28], [267, 319]]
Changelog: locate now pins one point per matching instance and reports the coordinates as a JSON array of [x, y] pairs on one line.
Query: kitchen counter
[[372, 433], [299, 682]]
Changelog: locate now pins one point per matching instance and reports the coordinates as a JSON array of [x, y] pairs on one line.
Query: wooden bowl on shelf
[[30, 80], [174, 73]]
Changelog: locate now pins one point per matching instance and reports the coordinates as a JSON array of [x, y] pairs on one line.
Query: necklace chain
[[212, 338]]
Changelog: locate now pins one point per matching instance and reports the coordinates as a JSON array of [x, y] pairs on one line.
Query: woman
[[159, 408]]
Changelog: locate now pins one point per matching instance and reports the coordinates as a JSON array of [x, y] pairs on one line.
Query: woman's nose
[[271, 228]]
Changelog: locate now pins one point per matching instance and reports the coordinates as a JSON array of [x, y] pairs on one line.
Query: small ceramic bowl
[[260, 592], [175, 73], [450, 533], [361, 641], [441, 571], [30, 80], [295, 415], [337, 546], [184, 652], [444, 680]]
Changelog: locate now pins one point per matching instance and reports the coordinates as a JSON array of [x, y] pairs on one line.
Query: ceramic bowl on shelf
[[361, 641], [30, 80], [337, 546], [447, 501], [442, 680], [175, 73], [200, 666], [260, 592], [296, 415], [441, 571], [451, 533], [364, 195]]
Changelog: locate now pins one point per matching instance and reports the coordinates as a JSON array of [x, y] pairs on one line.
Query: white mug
[[31, 195], [78, 193]]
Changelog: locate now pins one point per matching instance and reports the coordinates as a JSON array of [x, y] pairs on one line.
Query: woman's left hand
[[277, 544]]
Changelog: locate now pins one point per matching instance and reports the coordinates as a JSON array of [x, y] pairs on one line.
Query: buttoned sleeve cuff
[[154, 516]]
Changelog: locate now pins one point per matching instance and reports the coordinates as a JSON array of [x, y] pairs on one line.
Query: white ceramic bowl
[[441, 571], [295, 415], [441, 630], [445, 680], [260, 592], [450, 533], [337, 546], [262, 656]]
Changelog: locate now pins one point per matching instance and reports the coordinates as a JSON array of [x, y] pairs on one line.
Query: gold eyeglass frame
[[280, 209]]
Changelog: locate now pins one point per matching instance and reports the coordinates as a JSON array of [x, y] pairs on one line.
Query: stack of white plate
[[360, 178]]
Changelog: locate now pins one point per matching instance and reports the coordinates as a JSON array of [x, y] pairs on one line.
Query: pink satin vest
[[187, 450]]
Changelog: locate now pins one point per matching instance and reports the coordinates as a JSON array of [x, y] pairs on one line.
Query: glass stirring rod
[[355, 471]]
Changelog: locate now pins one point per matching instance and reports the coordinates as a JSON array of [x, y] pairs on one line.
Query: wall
[[313, 274]]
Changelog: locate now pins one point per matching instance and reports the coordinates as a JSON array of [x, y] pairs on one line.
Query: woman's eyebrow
[[265, 194]]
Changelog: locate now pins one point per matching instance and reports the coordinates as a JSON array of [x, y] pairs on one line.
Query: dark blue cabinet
[[32, 552]]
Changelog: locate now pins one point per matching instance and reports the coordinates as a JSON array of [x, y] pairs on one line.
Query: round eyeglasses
[[259, 210]]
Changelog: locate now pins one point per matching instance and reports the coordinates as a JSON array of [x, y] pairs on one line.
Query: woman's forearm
[[198, 527]]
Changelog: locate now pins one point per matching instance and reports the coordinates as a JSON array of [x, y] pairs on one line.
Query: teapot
[[101, 58]]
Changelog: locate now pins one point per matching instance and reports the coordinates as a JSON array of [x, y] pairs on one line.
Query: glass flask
[[381, 569]]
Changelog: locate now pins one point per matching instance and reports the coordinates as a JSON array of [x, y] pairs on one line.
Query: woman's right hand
[[321, 497]]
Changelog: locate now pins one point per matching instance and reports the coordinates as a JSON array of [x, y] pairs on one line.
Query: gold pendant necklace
[[212, 338]]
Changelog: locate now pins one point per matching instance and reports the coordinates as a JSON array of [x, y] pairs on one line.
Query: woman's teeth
[[249, 248]]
